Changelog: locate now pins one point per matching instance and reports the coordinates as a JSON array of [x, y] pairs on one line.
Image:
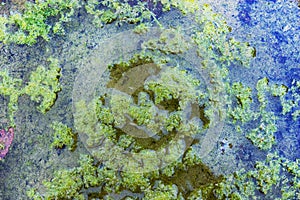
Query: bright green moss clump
[[263, 136], [42, 18], [63, 136], [43, 85], [33, 22], [174, 84], [67, 184], [42, 88], [162, 191]]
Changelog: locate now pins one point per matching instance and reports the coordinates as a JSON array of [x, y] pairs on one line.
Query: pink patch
[[6, 138]]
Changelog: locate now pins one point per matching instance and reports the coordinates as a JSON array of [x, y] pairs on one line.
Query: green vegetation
[[292, 104], [121, 12], [43, 18], [273, 174], [213, 37], [158, 110], [67, 183], [71, 183], [173, 83], [241, 111], [63, 136], [185, 6], [12, 88], [25, 28], [43, 85], [243, 99], [42, 88], [162, 192], [171, 106], [263, 136]]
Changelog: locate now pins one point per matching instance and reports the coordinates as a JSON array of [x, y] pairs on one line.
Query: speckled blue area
[[273, 28]]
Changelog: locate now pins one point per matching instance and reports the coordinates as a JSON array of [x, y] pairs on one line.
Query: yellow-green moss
[[42, 88], [43, 85], [63, 136], [32, 23]]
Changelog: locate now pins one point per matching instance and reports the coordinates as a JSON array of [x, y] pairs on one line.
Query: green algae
[[121, 12], [122, 101], [42, 88], [265, 177], [289, 104], [71, 182], [118, 108], [63, 136], [32, 23], [243, 110], [43, 85], [123, 104], [217, 72], [10, 87]]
